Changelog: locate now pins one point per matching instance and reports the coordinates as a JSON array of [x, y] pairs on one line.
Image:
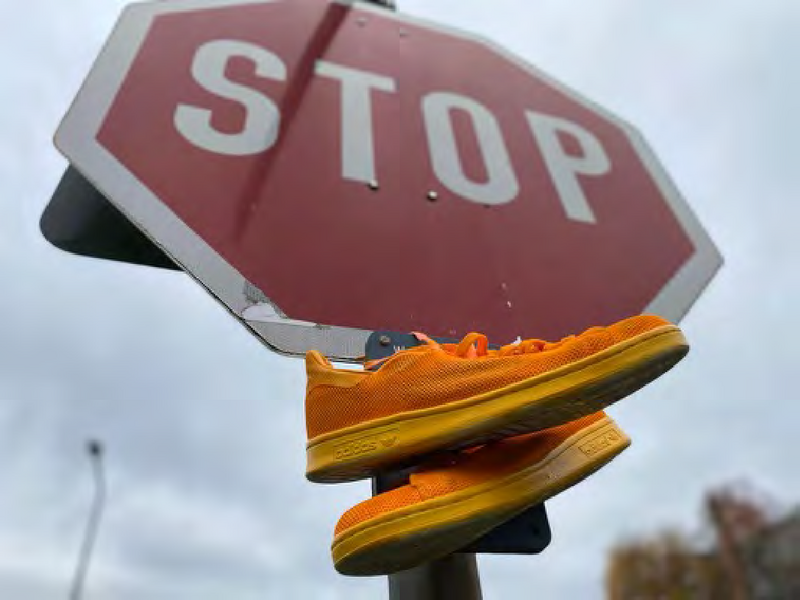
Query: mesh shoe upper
[[432, 375], [476, 466]]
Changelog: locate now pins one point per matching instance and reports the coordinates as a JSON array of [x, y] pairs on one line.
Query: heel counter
[[321, 372], [329, 392], [317, 367]]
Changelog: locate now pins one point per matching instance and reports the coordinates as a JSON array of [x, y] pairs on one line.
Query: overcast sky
[[204, 427]]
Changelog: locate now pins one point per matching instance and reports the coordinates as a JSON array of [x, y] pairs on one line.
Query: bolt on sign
[[326, 169]]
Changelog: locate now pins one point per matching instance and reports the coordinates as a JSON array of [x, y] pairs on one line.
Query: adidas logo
[[600, 443], [366, 445]]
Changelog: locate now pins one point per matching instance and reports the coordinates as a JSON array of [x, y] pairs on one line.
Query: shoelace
[[476, 345]]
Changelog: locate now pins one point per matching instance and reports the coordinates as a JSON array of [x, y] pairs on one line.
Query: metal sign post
[[452, 578]]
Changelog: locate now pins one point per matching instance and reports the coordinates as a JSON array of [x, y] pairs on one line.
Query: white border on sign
[[76, 138]]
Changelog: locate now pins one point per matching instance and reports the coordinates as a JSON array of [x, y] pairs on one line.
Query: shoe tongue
[[421, 337]]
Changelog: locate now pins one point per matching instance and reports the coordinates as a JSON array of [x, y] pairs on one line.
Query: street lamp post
[[94, 449]]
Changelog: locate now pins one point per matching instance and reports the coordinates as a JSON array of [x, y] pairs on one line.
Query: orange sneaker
[[445, 508], [433, 397]]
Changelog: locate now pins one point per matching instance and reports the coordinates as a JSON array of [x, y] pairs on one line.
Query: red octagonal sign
[[332, 167]]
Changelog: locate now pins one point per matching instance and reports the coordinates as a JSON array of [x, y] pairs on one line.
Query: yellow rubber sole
[[548, 400], [435, 528]]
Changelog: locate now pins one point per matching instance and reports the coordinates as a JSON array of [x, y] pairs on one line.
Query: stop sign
[[347, 166]]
